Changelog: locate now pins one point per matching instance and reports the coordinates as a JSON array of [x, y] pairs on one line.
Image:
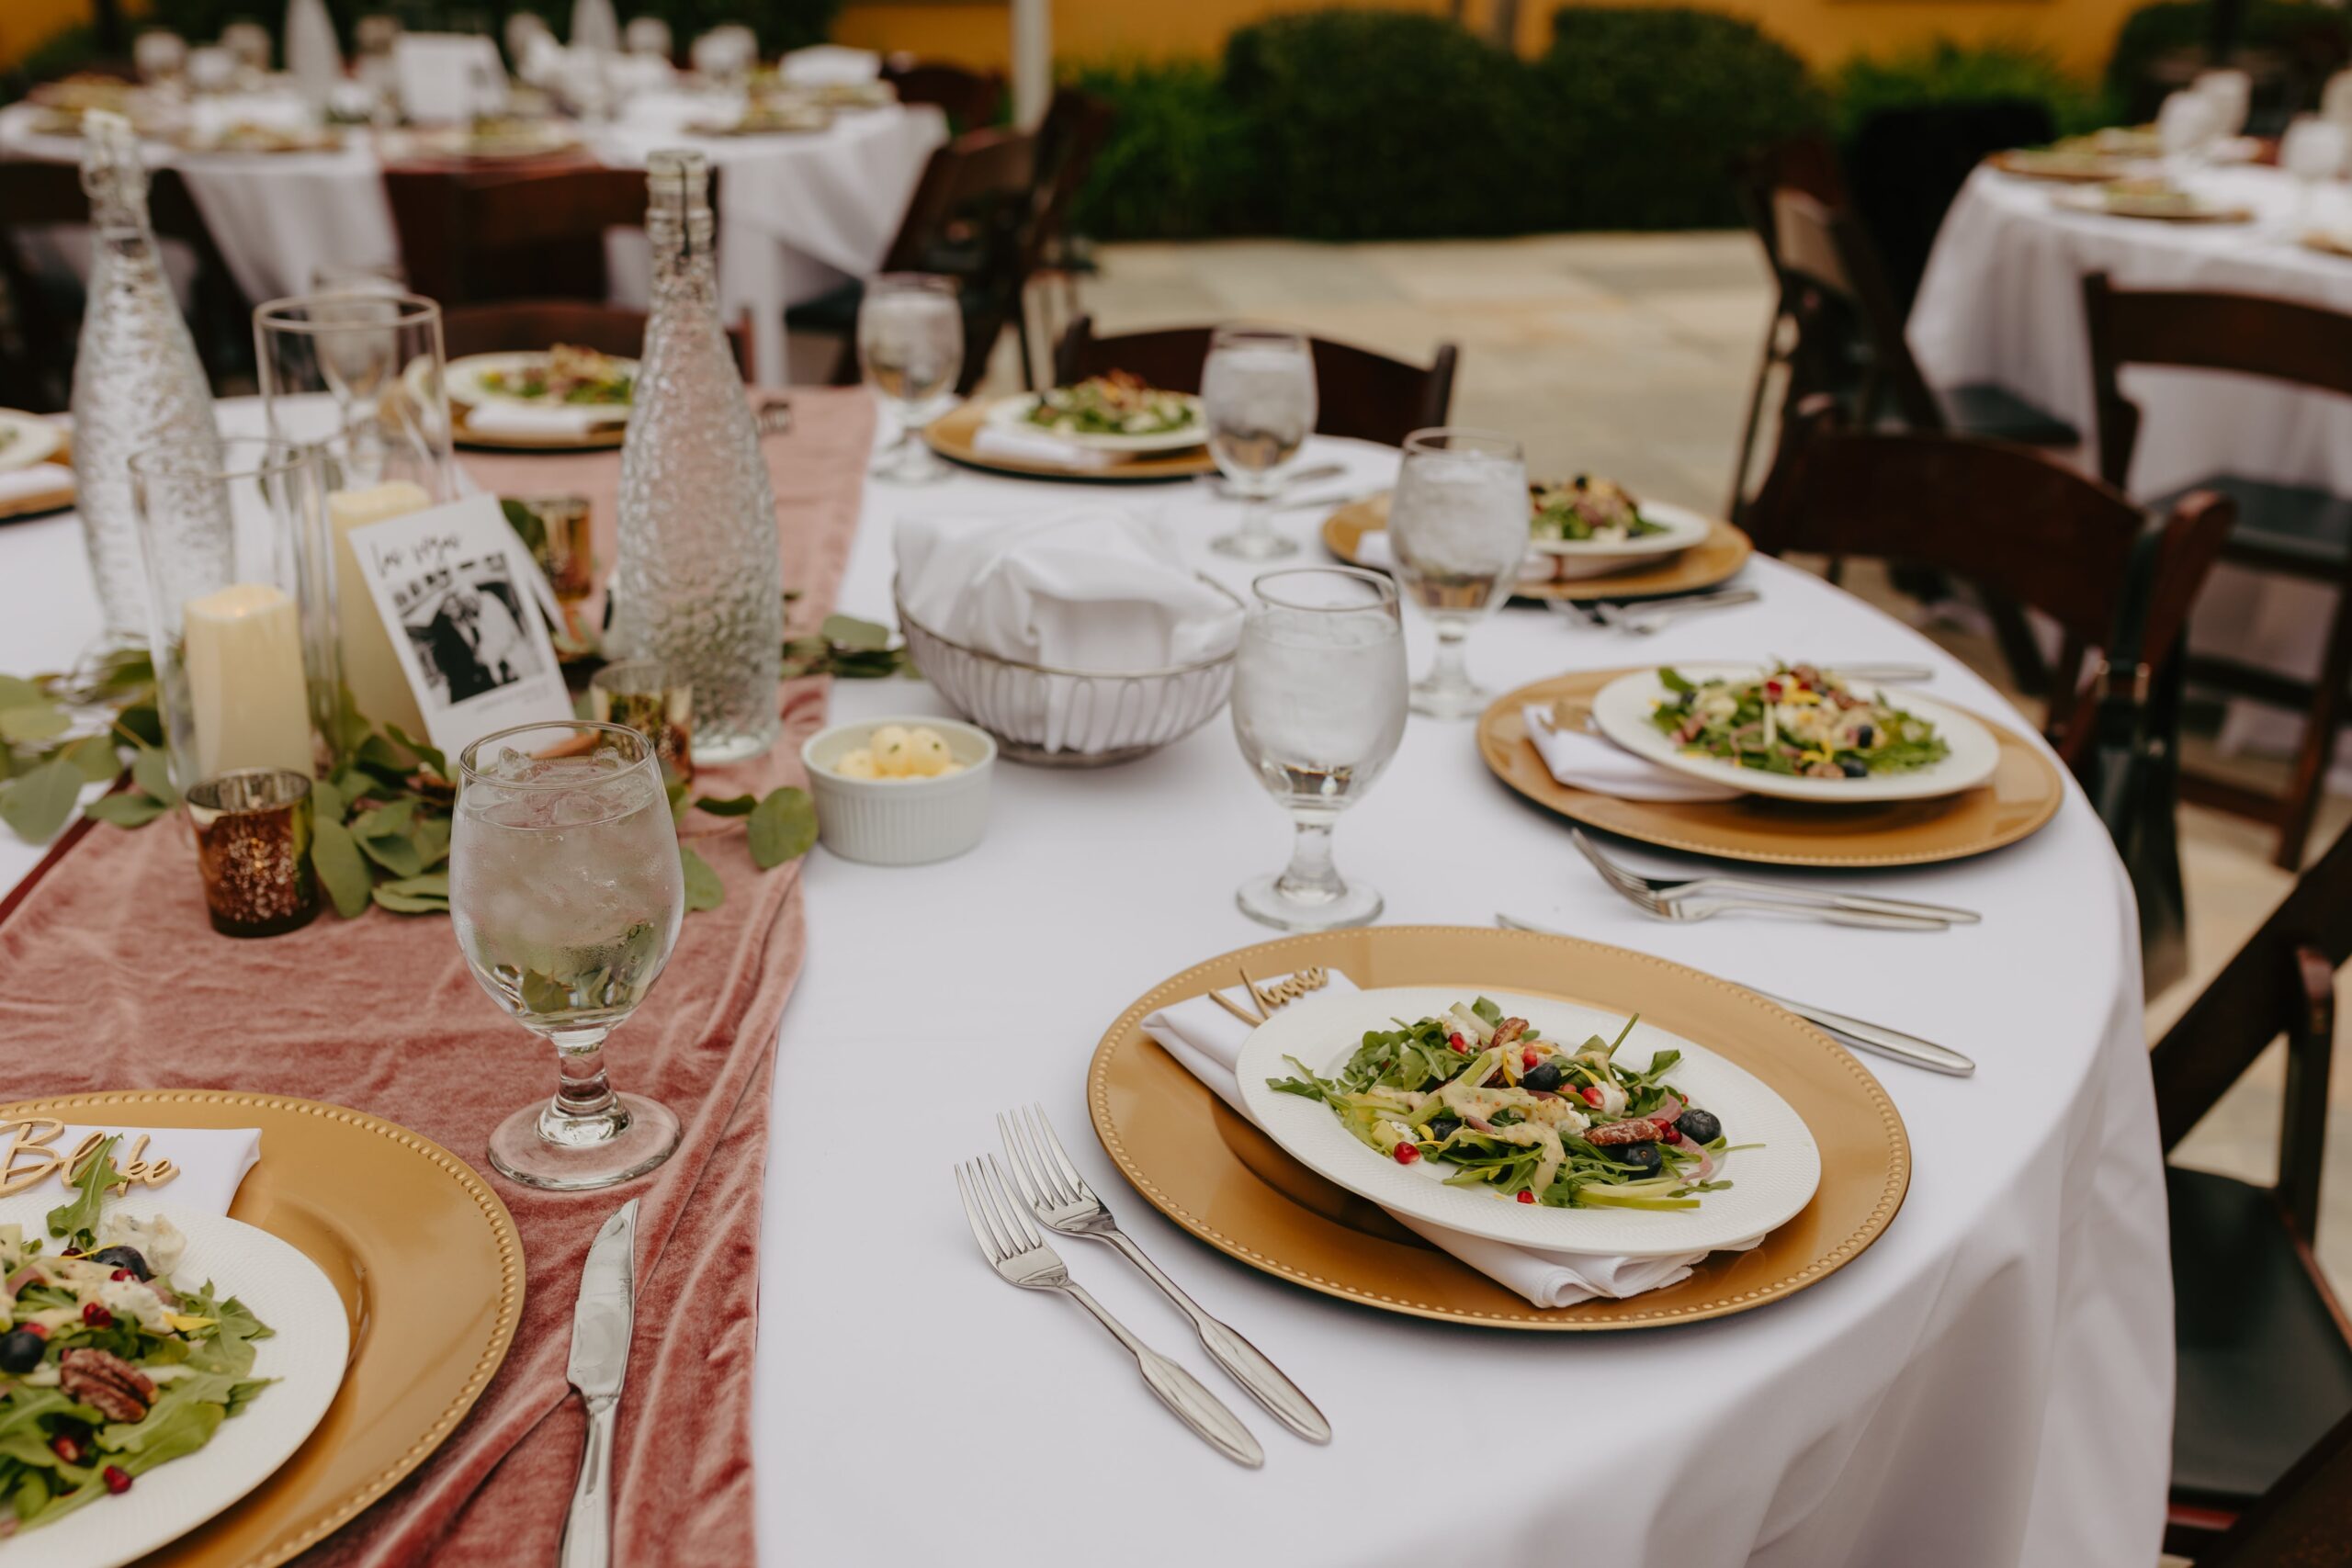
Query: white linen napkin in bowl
[[1582, 759], [522, 421], [212, 1161], [1207, 1041], [1039, 446], [35, 478], [1373, 550]]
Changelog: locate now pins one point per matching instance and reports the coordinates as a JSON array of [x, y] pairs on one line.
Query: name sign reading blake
[[30, 1155]]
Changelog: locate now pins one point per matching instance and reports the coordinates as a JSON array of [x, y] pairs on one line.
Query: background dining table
[[2002, 301], [799, 210], [1990, 1382]]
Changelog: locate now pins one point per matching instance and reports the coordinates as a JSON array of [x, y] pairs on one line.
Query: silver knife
[[1851, 1032], [601, 1326]]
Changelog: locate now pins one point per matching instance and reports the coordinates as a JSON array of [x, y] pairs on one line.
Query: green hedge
[[1179, 159], [1945, 73], [2304, 28]]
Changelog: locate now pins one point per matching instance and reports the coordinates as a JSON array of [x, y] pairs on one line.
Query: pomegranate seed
[[1528, 1059], [118, 1479], [38, 1330], [66, 1449], [1458, 1044], [119, 1274], [1593, 1094], [96, 1315], [1406, 1154], [1527, 1197]]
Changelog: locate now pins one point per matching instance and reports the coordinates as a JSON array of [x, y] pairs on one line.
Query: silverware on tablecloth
[[601, 1327], [1022, 1257], [1684, 910], [1853, 1033], [1628, 880], [1649, 617], [1313, 473], [1326, 503], [773, 416], [1058, 1194]]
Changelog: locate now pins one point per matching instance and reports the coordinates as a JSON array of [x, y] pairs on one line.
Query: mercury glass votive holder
[[555, 529], [655, 699], [253, 844]]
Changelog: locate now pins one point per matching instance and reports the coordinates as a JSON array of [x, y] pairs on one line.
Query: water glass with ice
[[1258, 395], [1457, 523], [910, 346]]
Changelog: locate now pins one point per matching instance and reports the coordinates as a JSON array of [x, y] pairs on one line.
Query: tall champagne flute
[[1318, 707], [566, 890], [1258, 395], [910, 346], [1457, 523]]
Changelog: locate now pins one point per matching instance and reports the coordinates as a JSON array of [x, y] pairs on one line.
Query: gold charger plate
[[430, 1269], [1199, 1162], [2023, 793], [952, 437], [2060, 168], [1714, 559], [603, 438]]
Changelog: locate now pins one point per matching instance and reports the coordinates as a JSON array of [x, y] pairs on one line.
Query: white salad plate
[[1769, 1185], [1014, 412], [26, 439], [463, 378], [1623, 708], [306, 1355], [1570, 560]]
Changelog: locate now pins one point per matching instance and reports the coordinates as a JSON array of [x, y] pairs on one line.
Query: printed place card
[[454, 587]]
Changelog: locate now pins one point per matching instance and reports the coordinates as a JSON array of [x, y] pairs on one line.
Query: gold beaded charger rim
[[1201, 1164], [1712, 561], [429, 1266], [954, 436], [2018, 800]]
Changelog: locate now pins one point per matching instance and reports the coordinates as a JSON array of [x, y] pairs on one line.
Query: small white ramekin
[[900, 821]]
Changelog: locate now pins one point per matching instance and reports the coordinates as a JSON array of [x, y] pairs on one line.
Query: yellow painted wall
[[25, 23]]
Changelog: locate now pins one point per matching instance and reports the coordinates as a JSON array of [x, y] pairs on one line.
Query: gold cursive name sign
[[30, 1155], [1289, 989]]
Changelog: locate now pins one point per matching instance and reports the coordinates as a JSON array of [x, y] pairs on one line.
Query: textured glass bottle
[[136, 380], [699, 583]]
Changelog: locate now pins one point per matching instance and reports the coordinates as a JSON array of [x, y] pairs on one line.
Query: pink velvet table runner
[[115, 981]]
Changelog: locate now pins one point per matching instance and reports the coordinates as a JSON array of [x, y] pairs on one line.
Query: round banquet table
[[802, 210], [1990, 1384], [2001, 301]]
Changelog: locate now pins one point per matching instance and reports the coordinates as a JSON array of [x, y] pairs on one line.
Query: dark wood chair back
[[973, 218], [41, 193], [1358, 393], [972, 100], [1807, 164], [1832, 284], [1075, 125], [2301, 1522], [468, 237], [540, 323], [2188, 330], [2010, 519], [1905, 165]]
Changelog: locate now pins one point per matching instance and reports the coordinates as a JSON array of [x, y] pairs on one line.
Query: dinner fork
[[1648, 619], [1022, 1257], [1058, 1194], [1630, 882]]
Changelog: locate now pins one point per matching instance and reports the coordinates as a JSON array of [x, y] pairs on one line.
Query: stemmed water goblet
[[566, 889], [2313, 152], [1257, 397], [1318, 707], [1457, 523], [910, 346]]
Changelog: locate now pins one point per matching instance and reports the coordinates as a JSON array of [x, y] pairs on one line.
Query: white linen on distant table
[[527, 421], [34, 478]]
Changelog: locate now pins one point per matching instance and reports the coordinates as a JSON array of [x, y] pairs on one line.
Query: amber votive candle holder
[[653, 697], [566, 551], [253, 844]]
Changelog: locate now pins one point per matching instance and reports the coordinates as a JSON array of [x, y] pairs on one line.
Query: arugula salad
[[1531, 1120], [108, 1369], [566, 374], [1586, 509], [1118, 403], [1798, 720]]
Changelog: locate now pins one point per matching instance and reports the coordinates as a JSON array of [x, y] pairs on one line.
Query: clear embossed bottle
[[698, 583], [136, 380]]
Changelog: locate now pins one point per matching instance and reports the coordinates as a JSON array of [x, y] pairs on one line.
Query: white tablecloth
[[2002, 301], [1990, 1385], [800, 212]]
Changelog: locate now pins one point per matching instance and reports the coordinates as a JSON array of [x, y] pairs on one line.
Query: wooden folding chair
[[972, 100], [469, 236]]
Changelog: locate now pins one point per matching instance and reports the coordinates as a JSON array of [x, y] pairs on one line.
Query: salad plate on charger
[[415, 1253], [302, 1358], [2021, 795], [1176, 418], [1623, 711], [1839, 1165], [27, 439], [1693, 553], [508, 377], [956, 437]]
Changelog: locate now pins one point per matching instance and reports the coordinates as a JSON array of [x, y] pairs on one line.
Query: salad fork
[[1634, 883], [1022, 1257], [1058, 1194], [1684, 910], [1644, 620]]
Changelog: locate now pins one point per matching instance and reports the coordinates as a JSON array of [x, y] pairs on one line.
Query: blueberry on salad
[[1530, 1120]]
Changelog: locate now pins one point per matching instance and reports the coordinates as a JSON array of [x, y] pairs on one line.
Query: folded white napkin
[[1206, 1040], [1373, 550], [1037, 446], [521, 420], [212, 1161], [826, 64], [35, 478], [1582, 759]]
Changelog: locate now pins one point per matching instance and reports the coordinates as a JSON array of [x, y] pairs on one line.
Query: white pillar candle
[[242, 648], [371, 670]]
